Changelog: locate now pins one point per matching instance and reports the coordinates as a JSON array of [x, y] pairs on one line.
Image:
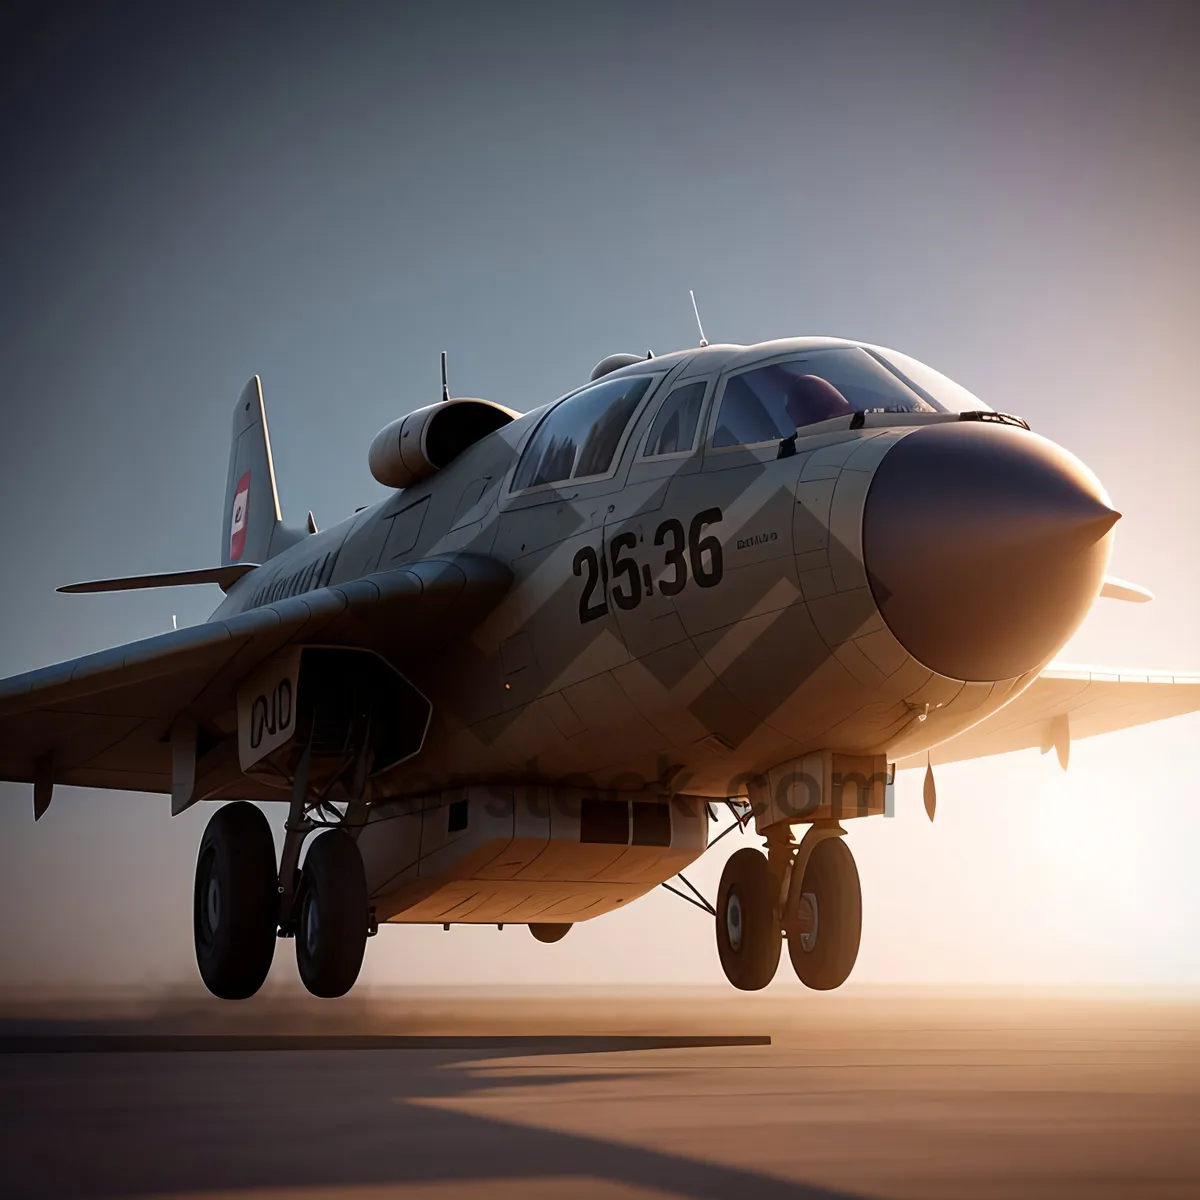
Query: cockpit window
[[768, 403], [932, 385], [674, 429], [579, 436]]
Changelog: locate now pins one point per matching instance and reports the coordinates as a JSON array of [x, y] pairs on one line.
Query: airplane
[[520, 687]]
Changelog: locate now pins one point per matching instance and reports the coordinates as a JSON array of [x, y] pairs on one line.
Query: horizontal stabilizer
[[223, 577], [1121, 589]]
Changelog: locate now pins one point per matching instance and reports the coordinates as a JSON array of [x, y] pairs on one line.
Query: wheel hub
[[807, 922], [312, 925], [212, 903], [733, 920]]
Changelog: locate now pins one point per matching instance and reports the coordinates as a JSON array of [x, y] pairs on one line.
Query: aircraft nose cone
[[985, 547]]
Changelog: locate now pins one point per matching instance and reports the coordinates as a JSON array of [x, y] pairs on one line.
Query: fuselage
[[692, 611]]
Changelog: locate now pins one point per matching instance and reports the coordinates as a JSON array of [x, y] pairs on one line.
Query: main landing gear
[[809, 893], [241, 904]]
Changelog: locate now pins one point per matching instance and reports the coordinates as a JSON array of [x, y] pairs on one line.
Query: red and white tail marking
[[241, 508]]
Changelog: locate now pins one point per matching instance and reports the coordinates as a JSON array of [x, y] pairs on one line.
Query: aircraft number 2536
[[632, 582]]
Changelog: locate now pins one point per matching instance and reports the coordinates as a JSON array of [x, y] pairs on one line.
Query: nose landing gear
[[813, 898]]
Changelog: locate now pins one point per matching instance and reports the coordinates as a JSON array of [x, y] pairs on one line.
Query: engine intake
[[416, 446]]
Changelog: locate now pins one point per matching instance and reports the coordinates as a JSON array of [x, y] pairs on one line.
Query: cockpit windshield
[[772, 402], [579, 436], [932, 385]]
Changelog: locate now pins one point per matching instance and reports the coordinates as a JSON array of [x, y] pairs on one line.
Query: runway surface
[[620, 1096]]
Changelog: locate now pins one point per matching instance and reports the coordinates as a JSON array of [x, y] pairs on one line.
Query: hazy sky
[[1007, 192]]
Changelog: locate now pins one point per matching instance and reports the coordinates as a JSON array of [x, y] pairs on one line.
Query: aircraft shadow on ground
[[365, 1111], [36, 1038]]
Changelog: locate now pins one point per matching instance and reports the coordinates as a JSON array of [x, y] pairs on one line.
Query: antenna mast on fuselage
[[703, 339]]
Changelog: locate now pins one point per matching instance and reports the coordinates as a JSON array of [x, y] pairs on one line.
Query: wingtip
[[1121, 589]]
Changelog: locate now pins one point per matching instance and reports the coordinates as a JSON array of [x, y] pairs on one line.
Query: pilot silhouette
[[809, 399]]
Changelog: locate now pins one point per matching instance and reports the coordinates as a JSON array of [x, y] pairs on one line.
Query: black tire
[[749, 937], [547, 932], [823, 958], [235, 902], [331, 933]]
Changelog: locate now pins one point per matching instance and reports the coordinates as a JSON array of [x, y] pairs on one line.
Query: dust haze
[[604, 1093]]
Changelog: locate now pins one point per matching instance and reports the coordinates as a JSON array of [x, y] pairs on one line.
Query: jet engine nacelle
[[415, 446]]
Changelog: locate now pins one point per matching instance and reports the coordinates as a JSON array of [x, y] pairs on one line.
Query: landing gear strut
[[325, 905], [809, 893]]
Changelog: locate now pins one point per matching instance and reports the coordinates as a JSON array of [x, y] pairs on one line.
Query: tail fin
[[254, 527]]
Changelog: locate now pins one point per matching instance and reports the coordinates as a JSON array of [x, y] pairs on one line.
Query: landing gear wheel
[[748, 933], [545, 932], [331, 933], [825, 925], [235, 902]]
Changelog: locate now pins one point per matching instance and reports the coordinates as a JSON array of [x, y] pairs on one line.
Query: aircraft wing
[[1065, 703], [104, 720]]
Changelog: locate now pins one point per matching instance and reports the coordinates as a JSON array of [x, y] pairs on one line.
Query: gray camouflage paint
[[775, 678], [695, 692]]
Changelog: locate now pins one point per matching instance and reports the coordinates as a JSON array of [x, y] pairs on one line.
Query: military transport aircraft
[[517, 689]]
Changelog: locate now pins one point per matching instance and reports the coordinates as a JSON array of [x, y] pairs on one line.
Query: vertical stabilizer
[[252, 513]]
